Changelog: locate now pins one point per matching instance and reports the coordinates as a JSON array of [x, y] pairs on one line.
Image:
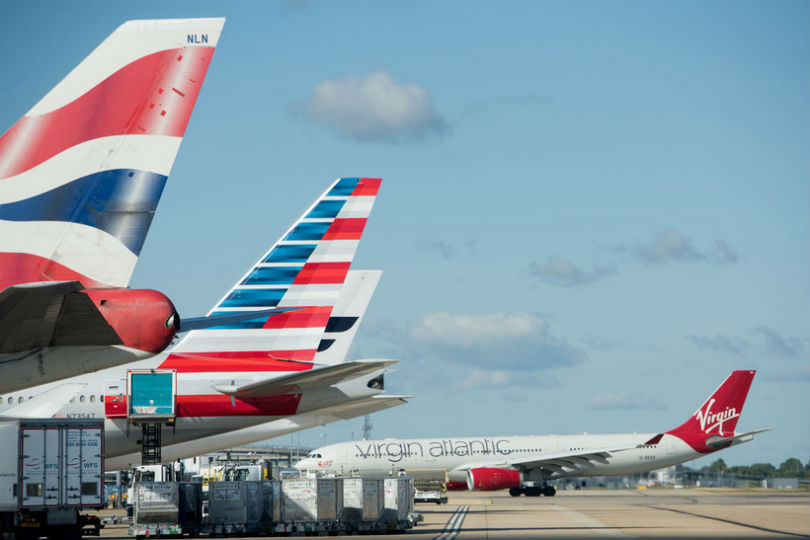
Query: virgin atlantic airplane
[[526, 464]]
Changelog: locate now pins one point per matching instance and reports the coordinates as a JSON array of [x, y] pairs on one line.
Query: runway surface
[[662, 514]]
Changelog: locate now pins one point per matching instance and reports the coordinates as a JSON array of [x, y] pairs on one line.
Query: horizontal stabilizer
[[46, 404], [361, 407], [200, 323], [317, 377], [739, 438], [38, 315]]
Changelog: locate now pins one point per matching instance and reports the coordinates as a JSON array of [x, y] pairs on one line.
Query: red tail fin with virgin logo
[[713, 424]]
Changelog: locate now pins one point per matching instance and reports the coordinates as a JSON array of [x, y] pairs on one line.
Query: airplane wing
[[46, 404], [556, 463], [317, 377], [43, 314]]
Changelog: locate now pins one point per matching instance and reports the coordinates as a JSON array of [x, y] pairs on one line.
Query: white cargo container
[[362, 499], [166, 508], [312, 499], [50, 470], [398, 500]]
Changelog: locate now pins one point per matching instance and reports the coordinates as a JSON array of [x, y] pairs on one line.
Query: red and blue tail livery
[[80, 178], [82, 172], [304, 271]]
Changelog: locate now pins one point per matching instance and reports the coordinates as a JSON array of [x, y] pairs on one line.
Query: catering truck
[[50, 471]]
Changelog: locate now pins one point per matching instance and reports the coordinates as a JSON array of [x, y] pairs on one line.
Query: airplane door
[[115, 401]]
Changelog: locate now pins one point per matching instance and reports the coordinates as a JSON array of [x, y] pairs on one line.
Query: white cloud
[[559, 271], [480, 378], [514, 342], [673, 246], [476, 377], [669, 246], [466, 331], [373, 107], [724, 253], [766, 341]]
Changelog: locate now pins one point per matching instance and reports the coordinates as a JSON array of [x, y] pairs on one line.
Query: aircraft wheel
[[549, 491], [515, 491], [533, 491]]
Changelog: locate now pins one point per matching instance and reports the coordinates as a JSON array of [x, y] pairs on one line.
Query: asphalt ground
[[665, 514]]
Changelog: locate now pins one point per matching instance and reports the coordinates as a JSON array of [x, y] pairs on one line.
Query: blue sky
[[591, 212]]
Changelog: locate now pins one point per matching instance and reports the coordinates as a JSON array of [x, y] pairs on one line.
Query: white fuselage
[[202, 411], [451, 458]]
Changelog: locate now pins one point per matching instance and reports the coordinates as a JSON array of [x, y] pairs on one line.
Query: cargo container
[[310, 505], [236, 507], [166, 508], [397, 502], [51, 470], [272, 507], [362, 504]]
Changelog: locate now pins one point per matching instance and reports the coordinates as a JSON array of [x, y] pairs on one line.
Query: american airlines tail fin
[[306, 270], [82, 172], [712, 426], [347, 315]]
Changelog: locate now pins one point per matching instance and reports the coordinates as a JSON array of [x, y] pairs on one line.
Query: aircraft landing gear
[[533, 491]]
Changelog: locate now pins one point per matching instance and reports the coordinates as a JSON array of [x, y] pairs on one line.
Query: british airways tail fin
[[82, 172], [305, 269], [712, 426]]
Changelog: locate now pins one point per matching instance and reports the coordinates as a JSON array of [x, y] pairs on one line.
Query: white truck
[[50, 471]]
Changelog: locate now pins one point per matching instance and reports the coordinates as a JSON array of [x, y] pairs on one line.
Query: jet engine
[[491, 479]]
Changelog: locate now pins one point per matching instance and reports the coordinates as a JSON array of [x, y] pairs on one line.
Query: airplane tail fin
[[346, 316], [306, 270], [82, 172], [712, 426]]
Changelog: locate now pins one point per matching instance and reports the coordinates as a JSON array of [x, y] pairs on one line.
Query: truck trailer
[[50, 471]]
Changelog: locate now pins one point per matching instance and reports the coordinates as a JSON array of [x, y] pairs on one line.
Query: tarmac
[[661, 514]]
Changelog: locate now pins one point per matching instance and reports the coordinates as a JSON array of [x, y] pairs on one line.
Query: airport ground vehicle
[[50, 471], [431, 491]]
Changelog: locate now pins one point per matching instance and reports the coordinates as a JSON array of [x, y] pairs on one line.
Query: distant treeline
[[790, 468]]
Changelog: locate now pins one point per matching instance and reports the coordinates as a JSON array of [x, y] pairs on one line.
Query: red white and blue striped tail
[[305, 269], [82, 172]]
